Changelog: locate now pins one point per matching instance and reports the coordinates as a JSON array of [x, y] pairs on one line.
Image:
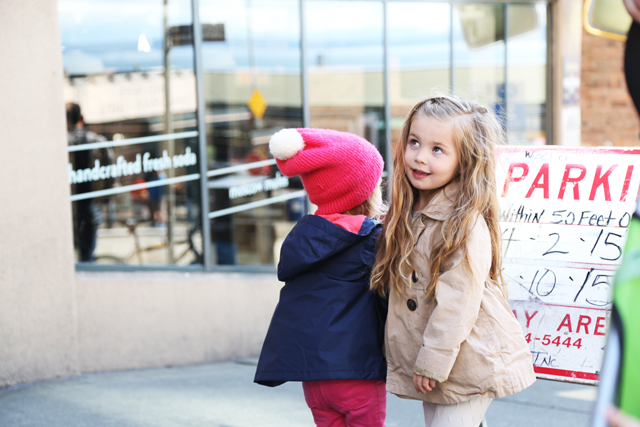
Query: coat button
[[414, 277], [412, 304]]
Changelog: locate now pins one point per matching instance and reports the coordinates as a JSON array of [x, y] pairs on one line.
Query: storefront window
[[433, 52], [345, 60], [479, 53], [252, 90], [134, 137], [133, 153], [527, 74], [419, 56]]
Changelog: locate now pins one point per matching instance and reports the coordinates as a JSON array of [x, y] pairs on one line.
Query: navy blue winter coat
[[327, 325]]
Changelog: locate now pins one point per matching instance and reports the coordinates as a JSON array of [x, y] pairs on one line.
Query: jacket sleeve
[[457, 306]]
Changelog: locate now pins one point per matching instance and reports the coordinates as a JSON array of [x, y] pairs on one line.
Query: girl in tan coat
[[451, 339]]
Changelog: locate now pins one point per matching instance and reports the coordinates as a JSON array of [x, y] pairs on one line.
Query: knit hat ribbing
[[339, 170]]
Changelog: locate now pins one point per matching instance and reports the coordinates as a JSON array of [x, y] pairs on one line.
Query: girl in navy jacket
[[327, 328]]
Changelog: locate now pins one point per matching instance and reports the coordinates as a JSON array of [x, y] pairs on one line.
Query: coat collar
[[444, 202]]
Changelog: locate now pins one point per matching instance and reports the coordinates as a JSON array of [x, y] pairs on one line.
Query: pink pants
[[347, 403]]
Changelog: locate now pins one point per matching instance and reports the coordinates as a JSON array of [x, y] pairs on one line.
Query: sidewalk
[[223, 395]]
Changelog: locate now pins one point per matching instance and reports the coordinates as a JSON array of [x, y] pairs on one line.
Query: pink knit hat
[[339, 170]]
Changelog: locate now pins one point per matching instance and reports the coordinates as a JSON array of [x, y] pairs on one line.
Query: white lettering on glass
[[142, 163]]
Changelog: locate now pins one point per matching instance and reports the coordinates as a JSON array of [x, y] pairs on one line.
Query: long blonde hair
[[475, 134]]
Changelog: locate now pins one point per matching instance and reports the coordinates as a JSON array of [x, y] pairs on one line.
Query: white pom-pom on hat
[[285, 144]]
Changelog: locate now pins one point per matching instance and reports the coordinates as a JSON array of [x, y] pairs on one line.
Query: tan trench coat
[[467, 339]]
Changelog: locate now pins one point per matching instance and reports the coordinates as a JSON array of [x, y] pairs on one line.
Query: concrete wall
[[37, 286], [137, 320]]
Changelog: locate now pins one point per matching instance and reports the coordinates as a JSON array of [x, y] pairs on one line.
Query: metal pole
[[252, 60], [168, 127], [304, 77], [387, 92], [505, 31], [549, 66], [202, 136], [303, 68], [452, 70]]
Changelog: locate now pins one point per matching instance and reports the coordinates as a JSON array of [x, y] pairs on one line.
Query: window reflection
[[137, 91], [135, 194], [513, 79], [252, 90], [419, 56], [345, 67], [479, 53], [527, 74]]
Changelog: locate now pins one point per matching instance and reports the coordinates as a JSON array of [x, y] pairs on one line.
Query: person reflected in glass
[[156, 196], [88, 215], [139, 198]]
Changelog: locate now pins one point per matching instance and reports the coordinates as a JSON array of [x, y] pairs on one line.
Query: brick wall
[[607, 111]]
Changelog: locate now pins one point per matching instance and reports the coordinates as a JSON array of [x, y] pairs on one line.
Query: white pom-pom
[[285, 144]]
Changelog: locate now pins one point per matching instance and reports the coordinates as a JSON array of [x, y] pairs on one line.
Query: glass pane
[[345, 60], [135, 195], [134, 226], [527, 73], [253, 236], [478, 53], [419, 56], [252, 89]]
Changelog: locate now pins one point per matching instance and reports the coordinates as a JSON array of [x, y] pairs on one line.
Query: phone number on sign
[[546, 340]]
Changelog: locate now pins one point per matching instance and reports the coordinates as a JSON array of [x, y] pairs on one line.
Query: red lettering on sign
[[541, 181], [603, 180], [511, 178], [526, 314], [598, 326], [566, 179], [515, 314], [583, 321], [627, 182], [566, 322]]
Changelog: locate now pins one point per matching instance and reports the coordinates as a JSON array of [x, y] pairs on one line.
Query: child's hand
[[615, 417], [423, 384]]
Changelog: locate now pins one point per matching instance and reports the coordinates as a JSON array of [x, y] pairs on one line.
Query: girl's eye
[[437, 150], [414, 143]]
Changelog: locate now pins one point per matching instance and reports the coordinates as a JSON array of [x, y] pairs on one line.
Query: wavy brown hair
[[475, 134]]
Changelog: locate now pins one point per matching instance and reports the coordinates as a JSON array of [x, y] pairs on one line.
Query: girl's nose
[[421, 157]]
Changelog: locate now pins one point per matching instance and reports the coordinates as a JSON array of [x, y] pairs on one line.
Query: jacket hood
[[315, 239]]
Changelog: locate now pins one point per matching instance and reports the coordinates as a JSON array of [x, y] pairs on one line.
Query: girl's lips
[[419, 174]]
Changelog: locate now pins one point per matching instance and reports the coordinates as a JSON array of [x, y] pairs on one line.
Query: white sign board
[[565, 214]]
